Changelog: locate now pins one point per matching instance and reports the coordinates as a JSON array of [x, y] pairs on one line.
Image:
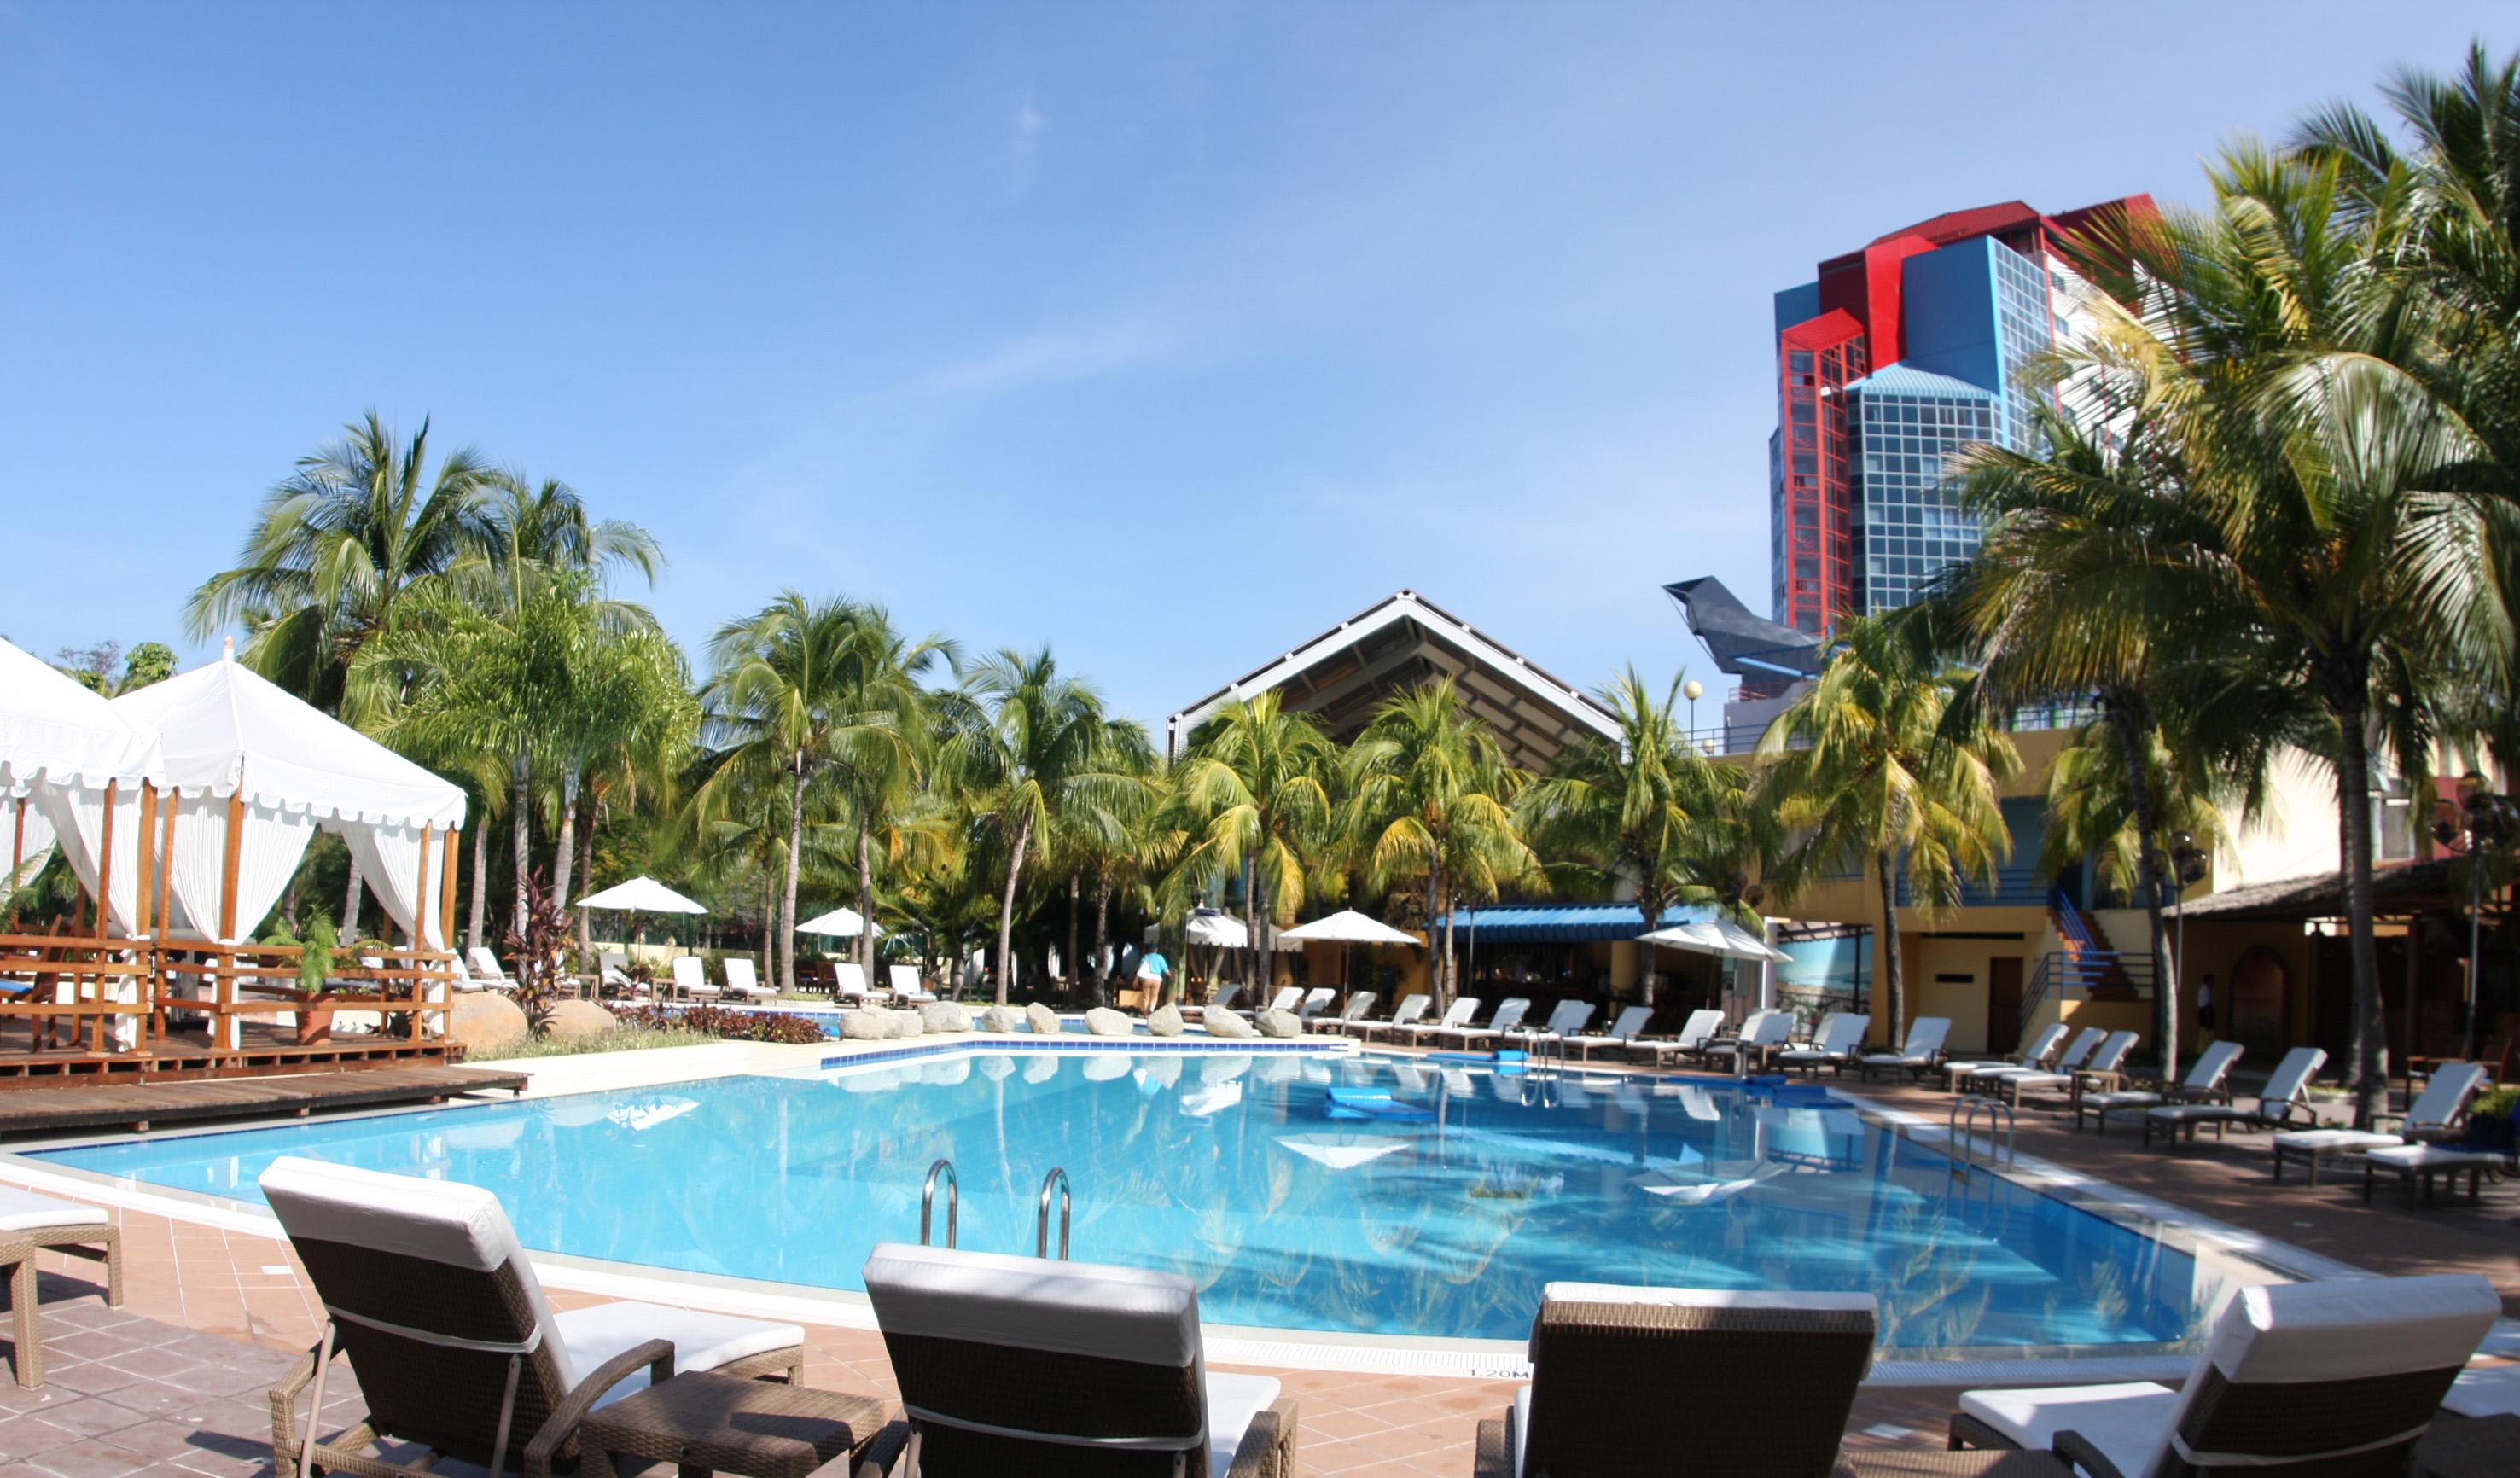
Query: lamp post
[[2485, 824], [2187, 864], [1692, 691]]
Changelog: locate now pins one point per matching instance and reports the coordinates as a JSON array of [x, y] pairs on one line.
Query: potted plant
[[2490, 1120], [315, 983]]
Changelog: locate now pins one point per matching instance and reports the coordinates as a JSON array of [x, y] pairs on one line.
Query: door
[[2003, 1004], [2260, 1004]]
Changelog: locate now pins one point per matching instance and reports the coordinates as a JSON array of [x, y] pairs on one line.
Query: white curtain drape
[[388, 859], [76, 811], [269, 848], [32, 846]]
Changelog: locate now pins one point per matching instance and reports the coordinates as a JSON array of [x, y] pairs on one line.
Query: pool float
[[1374, 1103]]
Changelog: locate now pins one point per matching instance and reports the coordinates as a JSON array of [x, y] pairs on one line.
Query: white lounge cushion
[[2111, 1101], [1088, 1308], [2324, 1140], [2126, 1421], [436, 1221], [2190, 1113], [26, 1211], [2485, 1393], [1708, 1298], [1233, 1400], [2432, 1156], [2025, 1082], [701, 1341]]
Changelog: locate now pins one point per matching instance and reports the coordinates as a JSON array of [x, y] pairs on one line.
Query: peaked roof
[[1903, 378], [226, 730], [50, 727], [1340, 675]]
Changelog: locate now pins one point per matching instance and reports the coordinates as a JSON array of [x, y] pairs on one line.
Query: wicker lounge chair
[[2285, 1095], [1783, 1367], [1508, 1016], [1408, 1010], [2207, 1081], [1459, 1013], [2297, 1380], [1836, 1046], [1916, 1056], [1695, 1034], [2106, 1066], [2037, 1057], [1349, 1015], [1018, 1365], [30, 1224], [1622, 1034], [427, 1290], [2436, 1111]]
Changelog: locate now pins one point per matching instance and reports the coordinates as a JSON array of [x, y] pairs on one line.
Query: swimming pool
[[1282, 1183]]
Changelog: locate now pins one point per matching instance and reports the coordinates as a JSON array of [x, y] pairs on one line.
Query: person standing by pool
[[1153, 970]]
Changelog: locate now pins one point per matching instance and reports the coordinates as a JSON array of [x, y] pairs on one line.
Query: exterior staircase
[[2083, 969]]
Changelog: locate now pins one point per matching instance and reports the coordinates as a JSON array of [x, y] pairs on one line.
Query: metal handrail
[[1960, 1131], [1057, 1176], [953, 1200]]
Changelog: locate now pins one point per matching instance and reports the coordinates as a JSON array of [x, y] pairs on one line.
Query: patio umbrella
[[1348, 928], [1716, 936], [641, 895], [842, 922]]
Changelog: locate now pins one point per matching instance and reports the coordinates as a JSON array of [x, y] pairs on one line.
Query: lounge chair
[[2207, 1081], [1780, 1368], [29, 1223], [2286, 1095], [1836, 1046], [1349, 1015], [2434, 1114], [1917, 1056], [1316, 1001], [2337, 1377], [1402, 1016], [485, 968], [1696, 1035], [1762, 1036], [2417, 1164], [2077, 1052], [612, 974], [2105, 1065], [1508, 1016], [1459, 1013], [906, 985], [2040, 1052], [743, 981], [1622, 1034], [849, 983], [1019, 1365], [691, 977], [1286, 1000], [1225, 997], [1565, 1018], [425, 1289]]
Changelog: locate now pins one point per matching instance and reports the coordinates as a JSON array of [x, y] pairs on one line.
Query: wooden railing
[[108, 996], [77, 993], [257, 980]]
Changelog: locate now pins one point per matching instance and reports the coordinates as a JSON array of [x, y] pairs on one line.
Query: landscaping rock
[[483, 1021], [1221, 1022], [1045, 1021], [1001, 1019], [577, 1021], [1278, 1025], [1165, 1021], [944, 1017], [906, 1024], [1102, 1021], [866, 1026]]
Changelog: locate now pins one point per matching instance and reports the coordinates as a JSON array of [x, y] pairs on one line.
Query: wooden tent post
[[158, 977], [420, 915], [104, 919], [446, 888], [144, 902], [224, 1028]]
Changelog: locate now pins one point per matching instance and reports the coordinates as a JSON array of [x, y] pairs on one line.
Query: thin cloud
[[1055, 357], [1023, 143]]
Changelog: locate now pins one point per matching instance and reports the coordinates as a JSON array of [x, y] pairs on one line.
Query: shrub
[[624, 1038], [2497, 1103], [718, 1021]]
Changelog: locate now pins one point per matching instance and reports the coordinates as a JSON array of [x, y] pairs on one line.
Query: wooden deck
[[146, 1105]]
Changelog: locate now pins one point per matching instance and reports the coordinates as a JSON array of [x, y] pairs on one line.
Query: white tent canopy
[[1715, 936], [1348, 927], [58, 742], [641, 895], [229, 737], [842, 922]]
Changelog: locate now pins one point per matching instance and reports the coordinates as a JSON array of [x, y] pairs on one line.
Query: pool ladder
[[1960, 1129], [1055, 1182]]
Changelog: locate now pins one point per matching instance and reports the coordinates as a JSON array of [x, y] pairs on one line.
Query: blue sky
[[1168, 334]]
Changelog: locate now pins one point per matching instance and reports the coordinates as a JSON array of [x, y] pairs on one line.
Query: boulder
[[865, 1025], [906, 1024], [1278, 1025], [1044, 1021], [1165, 1021], [1102, 1021], [485, 1021], [577, 1021], [944, 1017], [1221, 1022], [1001, 1019]]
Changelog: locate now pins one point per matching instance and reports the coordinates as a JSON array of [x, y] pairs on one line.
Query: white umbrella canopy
[[641, 895], [1348, 927], [1221, 930], [1715, 936], [842, 922]]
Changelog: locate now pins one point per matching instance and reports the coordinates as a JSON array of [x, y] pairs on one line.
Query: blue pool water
[[1441, 1213]]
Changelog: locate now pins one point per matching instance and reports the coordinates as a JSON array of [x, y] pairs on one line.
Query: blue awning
[[1566, 923]]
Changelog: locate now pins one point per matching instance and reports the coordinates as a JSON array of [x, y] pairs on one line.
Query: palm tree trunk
[[522, 826], [2368, 1076], [480, 881], [787, 902], [586, 869], [1007, 911], [2132, 717], [1893, 972], [1649, 907], [1452, 971], [351, 901], [768, 971], [1434, 962], [1101, 938], [565, 845], [1073, 963], [1250, 936], [865, 899]]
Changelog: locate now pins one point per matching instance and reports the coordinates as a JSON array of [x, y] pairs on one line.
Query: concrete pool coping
[[2181, 1229]]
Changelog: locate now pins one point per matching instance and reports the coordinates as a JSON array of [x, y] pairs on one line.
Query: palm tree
[[1430, 797], [1871, 762], [1645, 808], [1113, 858], [882, 769], [794, 693], [1034, 751], [1251, 800]]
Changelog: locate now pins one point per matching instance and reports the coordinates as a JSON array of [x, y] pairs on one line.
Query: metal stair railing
[[928, 1201]]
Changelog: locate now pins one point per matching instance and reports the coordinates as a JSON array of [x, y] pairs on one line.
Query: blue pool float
[[1374, 1103]]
